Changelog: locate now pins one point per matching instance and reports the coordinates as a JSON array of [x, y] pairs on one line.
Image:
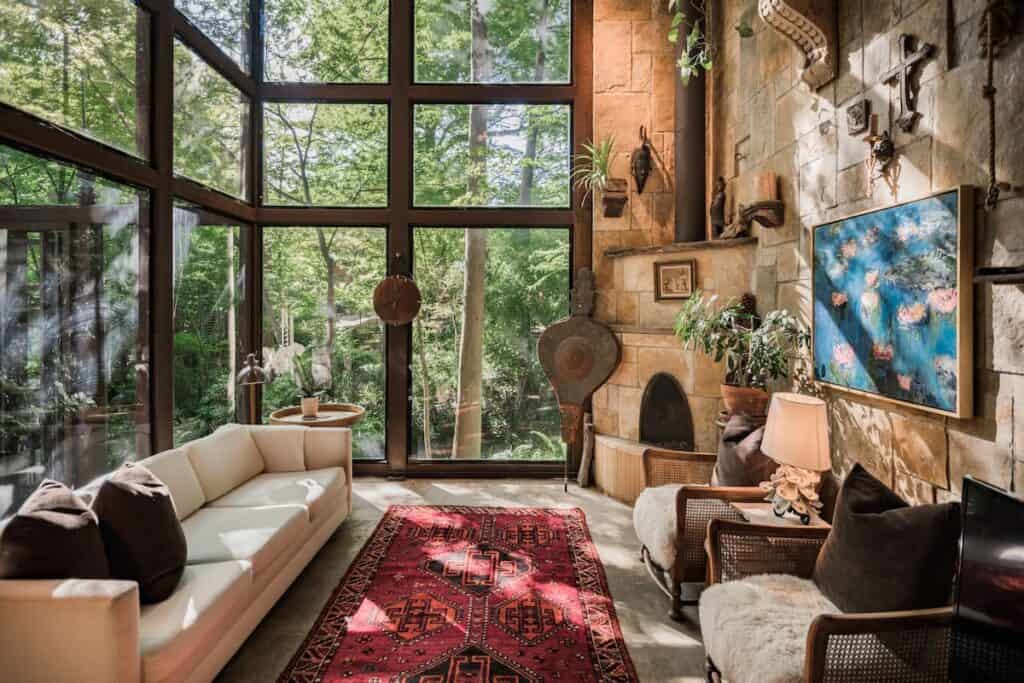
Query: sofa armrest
[[908, 645], [69, 630], [330, 447], [696, 506], [739, 549]]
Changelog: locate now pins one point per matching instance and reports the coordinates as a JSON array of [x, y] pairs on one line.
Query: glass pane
[[493, 41], [478, 389], [326, 154], [225, 22], [209, 286], [73, 326], [211, 118], [491, 155], [327, 41], [318, 316], [80, 64]]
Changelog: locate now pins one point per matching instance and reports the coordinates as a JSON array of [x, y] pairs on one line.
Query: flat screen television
[[988, 618]]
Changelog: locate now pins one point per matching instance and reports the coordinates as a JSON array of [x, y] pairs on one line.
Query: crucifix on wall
[[903, 72]]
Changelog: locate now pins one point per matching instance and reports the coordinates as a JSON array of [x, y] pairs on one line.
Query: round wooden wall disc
[[397, 299]]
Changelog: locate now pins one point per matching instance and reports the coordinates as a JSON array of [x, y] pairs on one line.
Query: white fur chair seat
[[755, 629], [654, 518]]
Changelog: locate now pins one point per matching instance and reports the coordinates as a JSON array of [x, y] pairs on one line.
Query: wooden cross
[[902, 71]]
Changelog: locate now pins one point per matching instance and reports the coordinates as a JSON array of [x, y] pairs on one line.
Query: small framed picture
[[674, 280]]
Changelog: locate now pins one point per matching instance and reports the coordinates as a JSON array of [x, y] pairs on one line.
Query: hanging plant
[[697, 52]]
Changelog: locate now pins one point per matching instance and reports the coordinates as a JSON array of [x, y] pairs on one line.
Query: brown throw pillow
[[884, 555], [53, 536], [144, 539], [740, 460]]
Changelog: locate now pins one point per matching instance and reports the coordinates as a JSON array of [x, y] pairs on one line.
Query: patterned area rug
[[470, 595]]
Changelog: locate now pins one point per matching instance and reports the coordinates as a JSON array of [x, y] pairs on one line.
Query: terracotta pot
[[310, 406], [745, 400]]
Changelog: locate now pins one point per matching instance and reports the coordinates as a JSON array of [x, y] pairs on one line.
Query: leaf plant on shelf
[[696, 53], [591, 175], [756, 351]]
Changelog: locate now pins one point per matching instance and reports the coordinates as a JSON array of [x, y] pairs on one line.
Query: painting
[[892, 303], [674, 280]]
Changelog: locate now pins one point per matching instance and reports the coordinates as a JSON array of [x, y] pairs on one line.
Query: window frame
[[401, 93]]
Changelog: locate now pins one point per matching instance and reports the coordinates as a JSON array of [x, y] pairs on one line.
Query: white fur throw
[[654, 518], [755, 629]]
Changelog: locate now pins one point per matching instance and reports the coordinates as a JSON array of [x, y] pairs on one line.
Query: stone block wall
[[763, 112]]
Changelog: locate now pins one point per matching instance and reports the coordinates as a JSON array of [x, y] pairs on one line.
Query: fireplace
[[665, 417]]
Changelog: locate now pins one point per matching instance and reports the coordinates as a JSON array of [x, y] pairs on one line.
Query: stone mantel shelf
[[681, 247], [636, 329]]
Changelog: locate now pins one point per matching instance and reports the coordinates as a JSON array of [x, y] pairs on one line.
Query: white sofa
[[256, 504]]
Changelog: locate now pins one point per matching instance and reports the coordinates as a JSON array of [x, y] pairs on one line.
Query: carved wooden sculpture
[[812, 26]]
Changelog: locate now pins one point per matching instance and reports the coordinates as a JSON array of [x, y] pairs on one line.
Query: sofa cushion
[[260, 535], [182, 628], [884, 555], [282, 447], [141, 532], [317, 491], [175, 470], [755, 629], [740, 460], [53, 536], [654, 518], [224, 460]]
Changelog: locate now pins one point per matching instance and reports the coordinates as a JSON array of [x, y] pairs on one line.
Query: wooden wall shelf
[[1000, 275], [680, 247]]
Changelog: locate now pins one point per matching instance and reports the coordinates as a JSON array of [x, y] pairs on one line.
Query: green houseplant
[[309, 389], [755, 351], [591, 174]]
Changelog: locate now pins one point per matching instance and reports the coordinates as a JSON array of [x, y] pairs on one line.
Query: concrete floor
[[662, 650]]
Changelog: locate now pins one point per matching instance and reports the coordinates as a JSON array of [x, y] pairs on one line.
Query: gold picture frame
[[675, 280]]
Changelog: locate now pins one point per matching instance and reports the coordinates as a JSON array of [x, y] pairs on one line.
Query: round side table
[[329, 415]]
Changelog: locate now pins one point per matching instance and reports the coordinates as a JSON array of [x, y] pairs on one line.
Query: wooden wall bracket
[[811, 25]]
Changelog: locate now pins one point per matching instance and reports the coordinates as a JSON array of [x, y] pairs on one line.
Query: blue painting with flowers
[[886, 302]]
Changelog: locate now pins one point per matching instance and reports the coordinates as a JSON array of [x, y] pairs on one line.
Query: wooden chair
[[882, 647], [696, 504]]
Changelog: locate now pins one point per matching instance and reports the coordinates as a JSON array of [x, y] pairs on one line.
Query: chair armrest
[[677, 467], [907, 645], [69, 630], [739, 549]]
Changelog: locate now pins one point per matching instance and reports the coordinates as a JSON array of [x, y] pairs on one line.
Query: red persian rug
[[470, 595]]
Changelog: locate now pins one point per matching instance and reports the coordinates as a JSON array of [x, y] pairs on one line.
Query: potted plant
[[309, 389], [755, 351], [591, 174]]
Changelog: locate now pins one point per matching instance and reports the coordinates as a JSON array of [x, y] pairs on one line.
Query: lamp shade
[[797, 432]]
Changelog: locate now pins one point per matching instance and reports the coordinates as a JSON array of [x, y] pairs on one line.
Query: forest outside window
[[479, 391], [491, 155], [73, 325], [209, 288], [325, 154], [497, 41], [210, 125], [318, 322], [81, 64], [225, 22], [326, 41]]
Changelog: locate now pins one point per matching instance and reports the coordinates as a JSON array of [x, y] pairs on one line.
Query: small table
[[328, 415], [762, 513]]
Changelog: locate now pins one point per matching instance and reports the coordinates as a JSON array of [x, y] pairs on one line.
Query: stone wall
[[763, 112], [802, 136]]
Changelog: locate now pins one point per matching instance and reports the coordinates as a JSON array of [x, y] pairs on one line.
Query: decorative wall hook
[[640, 162]]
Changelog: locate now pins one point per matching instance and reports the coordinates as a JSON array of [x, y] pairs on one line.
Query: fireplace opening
[[665, 418]]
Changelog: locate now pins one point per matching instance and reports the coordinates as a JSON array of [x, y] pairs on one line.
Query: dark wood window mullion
[[254, 254], [162, 235], [399, 339], [199, 43]]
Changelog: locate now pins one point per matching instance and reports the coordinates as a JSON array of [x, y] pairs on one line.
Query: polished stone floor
[[662, 650]]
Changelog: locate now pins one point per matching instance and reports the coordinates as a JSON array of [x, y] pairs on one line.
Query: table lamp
[[796, 437]]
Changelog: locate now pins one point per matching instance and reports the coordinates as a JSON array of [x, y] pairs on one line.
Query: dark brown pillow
[[884, 555], [740, 460], [53, 536], [144, 539]]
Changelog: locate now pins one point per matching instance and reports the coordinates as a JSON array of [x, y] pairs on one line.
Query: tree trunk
[[232, 356], [428, 450], [332, 297], [466, 442]]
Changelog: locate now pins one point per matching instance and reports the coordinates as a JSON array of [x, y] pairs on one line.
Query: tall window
[[73, 326], [187, 182]]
